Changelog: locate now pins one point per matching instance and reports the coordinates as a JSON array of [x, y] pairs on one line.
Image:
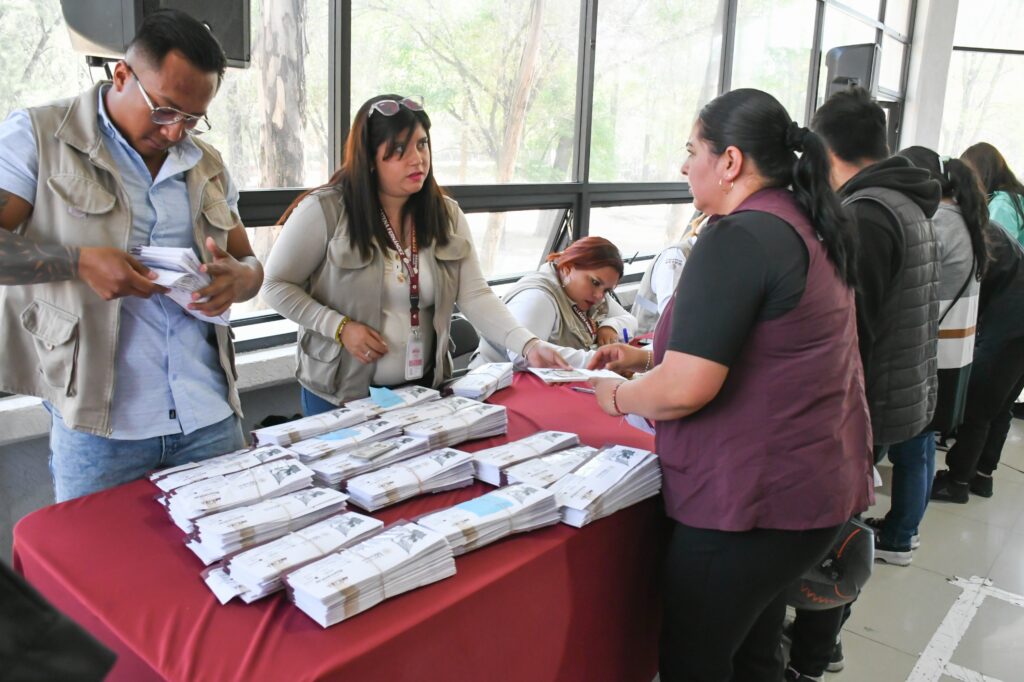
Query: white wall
[[930, 52]]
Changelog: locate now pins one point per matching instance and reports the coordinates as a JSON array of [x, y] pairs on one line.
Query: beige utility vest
[[60, 339], [349, 281]]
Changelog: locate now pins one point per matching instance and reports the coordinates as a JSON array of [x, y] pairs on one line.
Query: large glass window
[[840, 29], [518, 236], [994, 24], [640, 230], [773, 50], [657, 63], [498, 80]]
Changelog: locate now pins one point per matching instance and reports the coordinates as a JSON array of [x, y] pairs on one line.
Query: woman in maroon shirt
[[757, 390]]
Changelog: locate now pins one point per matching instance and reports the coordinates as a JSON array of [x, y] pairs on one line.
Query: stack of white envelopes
[[257, 572], [546, 470], [433, 410], [568, 376], [217, 535], [333, 470], [478, 522], [346, 439], [396, 560], [615, 478], [479, 421], [444, 469], [179, 270], [489, 463], [221, 493], [307, 427], [233, 462], [384, 400], [482, 382]]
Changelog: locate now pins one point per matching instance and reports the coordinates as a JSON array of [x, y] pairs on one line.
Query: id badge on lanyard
[[414, 347]]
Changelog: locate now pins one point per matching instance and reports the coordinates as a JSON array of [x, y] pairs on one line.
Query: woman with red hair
[[568, 302]]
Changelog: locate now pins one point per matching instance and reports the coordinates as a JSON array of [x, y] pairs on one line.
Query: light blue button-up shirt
[[168, 378]]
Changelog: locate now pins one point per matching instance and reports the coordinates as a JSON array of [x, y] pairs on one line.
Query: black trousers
[[725, 600], [997, 378], [814, 638]]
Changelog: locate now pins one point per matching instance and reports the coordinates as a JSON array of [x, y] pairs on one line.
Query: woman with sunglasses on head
[[371, 266], [569, 302], [757, 390]]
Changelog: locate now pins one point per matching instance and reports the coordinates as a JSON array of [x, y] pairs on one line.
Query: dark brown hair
[[589, 253], [995, 174], [358, 180]]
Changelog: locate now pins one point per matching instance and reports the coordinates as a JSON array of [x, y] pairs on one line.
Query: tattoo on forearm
[[23, 261]]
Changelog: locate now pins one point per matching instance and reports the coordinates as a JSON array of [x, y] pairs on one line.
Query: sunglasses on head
[[390, 107]]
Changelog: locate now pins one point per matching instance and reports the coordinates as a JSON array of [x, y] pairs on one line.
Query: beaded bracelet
[[615, 400], [647, 365], [337, 332]]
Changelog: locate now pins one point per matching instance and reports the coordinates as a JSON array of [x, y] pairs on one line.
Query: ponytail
[[965, 189]]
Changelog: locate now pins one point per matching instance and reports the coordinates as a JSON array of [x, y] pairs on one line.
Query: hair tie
[[795, 136], [942, 165]]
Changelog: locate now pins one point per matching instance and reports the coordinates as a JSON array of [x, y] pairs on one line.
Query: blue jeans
[[314, 404], [82, 463], [913, 468]]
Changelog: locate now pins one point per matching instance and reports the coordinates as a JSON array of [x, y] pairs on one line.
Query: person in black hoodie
[[891, 203]]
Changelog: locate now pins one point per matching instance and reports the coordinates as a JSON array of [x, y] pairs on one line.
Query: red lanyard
[[585, 319], [412, 266]]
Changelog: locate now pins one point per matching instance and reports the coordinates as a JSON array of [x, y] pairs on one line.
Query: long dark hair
[[358, 180], [995, 174], [759, 126], [960, 184]]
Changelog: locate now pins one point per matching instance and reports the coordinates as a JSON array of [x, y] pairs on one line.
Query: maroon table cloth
[[555, 604]]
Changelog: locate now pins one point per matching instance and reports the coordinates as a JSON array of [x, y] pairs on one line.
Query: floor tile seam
[[883, 644]]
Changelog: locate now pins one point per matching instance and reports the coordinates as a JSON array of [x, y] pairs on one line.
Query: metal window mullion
[[584, 113], [728, 45], [339, 77], [814, 72]]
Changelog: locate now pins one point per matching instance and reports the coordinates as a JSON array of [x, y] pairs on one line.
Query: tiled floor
[[901, 608]]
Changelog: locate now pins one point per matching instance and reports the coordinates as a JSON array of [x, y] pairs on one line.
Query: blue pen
[[625, 336]]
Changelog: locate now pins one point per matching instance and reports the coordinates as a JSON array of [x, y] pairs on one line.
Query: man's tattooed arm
[[23, 261]]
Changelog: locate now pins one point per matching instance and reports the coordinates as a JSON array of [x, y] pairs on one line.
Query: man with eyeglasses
[[133, 382]]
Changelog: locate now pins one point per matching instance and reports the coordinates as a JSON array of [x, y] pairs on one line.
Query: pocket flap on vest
[[345, 256], [81, 193], [48, 323], [457, 248], [219, 214], [319, 347]]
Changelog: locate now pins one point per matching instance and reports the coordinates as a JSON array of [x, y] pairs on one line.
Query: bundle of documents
[[175, 477], [217, 535], [347, 439], [333, 470], [430, 473], [567, 376], [399, 559], [177, 268], [479, 421], [308, 427], [481, 521], [543, 471], [482, 382], [489, 463], [257, 572], [386, 399], [612, 480], [221, 493], [432, 410]]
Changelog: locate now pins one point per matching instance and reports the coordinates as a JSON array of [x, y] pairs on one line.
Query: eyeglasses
[[390, 107], [169, 116]]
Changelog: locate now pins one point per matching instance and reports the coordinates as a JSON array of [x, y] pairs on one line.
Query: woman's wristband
[[650, 359], [529, 345], [337, 332], [615, 399]]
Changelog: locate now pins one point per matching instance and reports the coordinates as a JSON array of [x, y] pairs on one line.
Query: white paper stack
[[433, 472], [543, 471], [175, 477], [177, 268], [221, 493], [308, 427], [347, 439], [399, 559], [217, 535], [385, 400], [478, 522], [566, 376], [612, 480], [489, 463], [479, 421], [334, 470], [255, 573], [433, 410], [482, 382]]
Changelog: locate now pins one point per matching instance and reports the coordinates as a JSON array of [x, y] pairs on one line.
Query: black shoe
[[945, 489], [793, 676], [836, 662], [876, 524], [981, 485]]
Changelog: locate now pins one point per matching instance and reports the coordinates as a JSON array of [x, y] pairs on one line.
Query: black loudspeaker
[[851, 65], [103, 28]]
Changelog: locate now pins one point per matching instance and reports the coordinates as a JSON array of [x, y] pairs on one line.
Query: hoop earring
[[732, 186]]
